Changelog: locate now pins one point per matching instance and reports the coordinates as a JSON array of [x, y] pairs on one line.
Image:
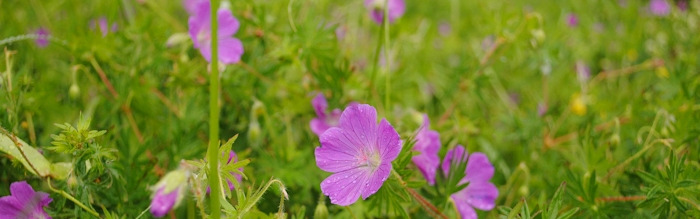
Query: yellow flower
[[578, 105]]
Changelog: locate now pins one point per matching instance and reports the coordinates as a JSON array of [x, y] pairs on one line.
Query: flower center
[[370, 159]]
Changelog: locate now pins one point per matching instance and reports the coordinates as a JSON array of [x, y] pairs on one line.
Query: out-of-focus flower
[[102, 24], [191, 5], [583, 72], [542, 109], [359, 153], [578, 105], [230, 49], [479, 193], [231, 156], [572, 20], [444, 28], [169, 192], [324, 120], [376, 7], [659, 7], [42, 39], [428, 144], [24, 202]]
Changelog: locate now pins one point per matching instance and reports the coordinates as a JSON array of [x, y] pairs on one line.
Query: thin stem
[[69, 197], [430, 208], [213, 152], [647, 145], [387, 93], [375, 62]]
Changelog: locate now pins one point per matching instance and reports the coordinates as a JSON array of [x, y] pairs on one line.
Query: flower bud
[[74, 91], [169, 191], [321, 211]]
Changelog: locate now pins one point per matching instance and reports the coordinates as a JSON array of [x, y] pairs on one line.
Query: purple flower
[[169, 191], [428, 144], [376, 7], [24, 202], [191, 5], [479, 193], [359, 153], [231, 186], [542, 108], [572, 20], [164, 202], [659, 7], [583, 72], [42, 39], [103, 25], [444, 28], [230, 49], [323, 121]]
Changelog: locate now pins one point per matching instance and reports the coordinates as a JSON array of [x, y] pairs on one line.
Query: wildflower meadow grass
[[350, 109]]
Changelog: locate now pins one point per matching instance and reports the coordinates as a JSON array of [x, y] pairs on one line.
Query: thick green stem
[[213, 152], [375, 62]]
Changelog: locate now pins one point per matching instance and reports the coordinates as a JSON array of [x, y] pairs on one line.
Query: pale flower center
[[370, 159]]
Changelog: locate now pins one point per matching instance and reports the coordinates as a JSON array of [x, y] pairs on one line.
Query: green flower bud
[[321, 211], [74, 91]]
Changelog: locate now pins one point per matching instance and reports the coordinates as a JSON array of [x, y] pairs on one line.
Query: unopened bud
[[74, 91], [321, 211]]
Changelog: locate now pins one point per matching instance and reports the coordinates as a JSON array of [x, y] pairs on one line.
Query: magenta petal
[[376, 180], [388, 142], [447, 161], [335, 153], [230, 50], [396, 10], [318, 126], [466, 211], [320, 105], [427, 164], [42, 39], [24, 202], [360, 124], [428, 144], [228, 25], [163, 203], [480, 195], [479, 169], [191, 5], [344, 188]]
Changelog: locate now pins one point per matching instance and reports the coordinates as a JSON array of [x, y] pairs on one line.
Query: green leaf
[[568, 214], [61, 170], [39, 162], [555, 204]]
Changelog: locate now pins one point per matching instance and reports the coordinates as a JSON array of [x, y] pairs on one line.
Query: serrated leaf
[[555, 204]]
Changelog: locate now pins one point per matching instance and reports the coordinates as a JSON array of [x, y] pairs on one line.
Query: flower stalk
[[213, 151]]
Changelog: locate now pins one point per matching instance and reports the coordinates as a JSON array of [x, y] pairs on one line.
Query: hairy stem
[[430, 208], [213, 152], [70, 197]]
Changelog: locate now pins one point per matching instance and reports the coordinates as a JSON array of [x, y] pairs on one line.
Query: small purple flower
[[169, 191], [395, 10], [234, 157], [359, 153], [659, 7], [103, 25], [428, 144], [230, 49], [479, 193], [163, 203], [542, 109], [24, 202], [583, 72], [323, 121], [572, 20], [444, 28], [682, 5], [42, 39]]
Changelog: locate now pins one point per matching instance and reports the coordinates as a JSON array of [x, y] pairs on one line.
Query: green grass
[[632, 153]]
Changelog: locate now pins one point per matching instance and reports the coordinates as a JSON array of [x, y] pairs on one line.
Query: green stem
[[375, 62], [213, 151], [385, 22], [69, 197]]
